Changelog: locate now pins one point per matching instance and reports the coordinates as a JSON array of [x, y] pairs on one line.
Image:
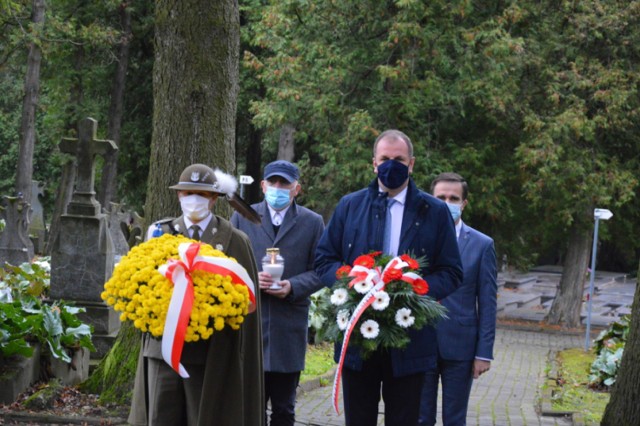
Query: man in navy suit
[[418, 223], [465, 340], [295, 230]]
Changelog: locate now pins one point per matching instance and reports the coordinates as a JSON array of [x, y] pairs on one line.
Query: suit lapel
[[266, 224], [411, 220], [288, 222], [463, 240]]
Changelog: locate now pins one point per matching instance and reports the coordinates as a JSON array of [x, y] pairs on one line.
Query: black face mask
[[393, 173]]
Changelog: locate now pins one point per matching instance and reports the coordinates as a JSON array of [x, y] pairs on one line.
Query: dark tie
[[195, 232], [386, 244]]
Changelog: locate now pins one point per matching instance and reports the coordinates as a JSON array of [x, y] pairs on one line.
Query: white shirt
[[277, 216], [397, 212], [458, 229], [202, 225]]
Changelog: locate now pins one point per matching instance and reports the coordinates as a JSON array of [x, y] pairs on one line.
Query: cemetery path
[[506, 395]]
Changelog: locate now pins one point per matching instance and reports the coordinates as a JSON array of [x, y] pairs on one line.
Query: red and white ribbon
[[179, 271], [363, 274]]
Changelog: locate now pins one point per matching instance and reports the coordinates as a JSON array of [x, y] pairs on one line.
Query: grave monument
[[15, 246], [83, 253]]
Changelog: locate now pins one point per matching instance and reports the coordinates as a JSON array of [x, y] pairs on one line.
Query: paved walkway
[[505, 396]]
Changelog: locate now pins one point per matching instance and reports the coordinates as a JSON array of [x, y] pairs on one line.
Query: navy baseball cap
[[282, 168]]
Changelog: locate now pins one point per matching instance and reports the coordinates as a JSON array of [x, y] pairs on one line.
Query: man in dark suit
[[418, 224], [225, 372], [465, 339], [295, 231]]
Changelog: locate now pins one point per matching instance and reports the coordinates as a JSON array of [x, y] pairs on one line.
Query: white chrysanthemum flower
[[404, 318], [339, 296], [381, 302], [342, 319], [370, 329], [363, 287]]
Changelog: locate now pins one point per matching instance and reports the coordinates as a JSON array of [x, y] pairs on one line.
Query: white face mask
[[195, 207]]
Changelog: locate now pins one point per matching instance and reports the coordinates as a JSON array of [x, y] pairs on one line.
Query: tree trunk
[[286, 147], [108, 187], [29, 105], [16, 247], [195, 88], [253, 160], [63, 198], [68, 178], [623, 408], [566, 306], [195, 80], [113, 377]]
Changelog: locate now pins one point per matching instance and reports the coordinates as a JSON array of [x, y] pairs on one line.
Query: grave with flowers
[[39, 338]]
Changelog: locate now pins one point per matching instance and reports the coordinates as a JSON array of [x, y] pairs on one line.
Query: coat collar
[[217, 233], [415, 208], [288, 222]]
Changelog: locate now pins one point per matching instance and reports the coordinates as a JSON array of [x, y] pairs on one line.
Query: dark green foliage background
[[535, 103]]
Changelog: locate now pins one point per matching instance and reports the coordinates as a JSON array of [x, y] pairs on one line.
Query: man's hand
[[480, 366], [265, 282]]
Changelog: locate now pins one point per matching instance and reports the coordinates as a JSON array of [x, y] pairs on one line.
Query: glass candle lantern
[[273, 264]]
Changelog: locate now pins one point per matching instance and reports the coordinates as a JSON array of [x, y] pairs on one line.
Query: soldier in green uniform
[[225, 386]]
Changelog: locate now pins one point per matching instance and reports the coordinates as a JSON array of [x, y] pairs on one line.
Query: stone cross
[[82, 254], [86, 147]]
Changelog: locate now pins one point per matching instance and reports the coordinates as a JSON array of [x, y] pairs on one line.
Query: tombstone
[[126, 228], [82, 253], [117, 218], [15, 246], [37, 227]]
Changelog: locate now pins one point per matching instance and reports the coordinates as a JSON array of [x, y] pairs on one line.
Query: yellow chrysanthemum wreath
[[142, 294]]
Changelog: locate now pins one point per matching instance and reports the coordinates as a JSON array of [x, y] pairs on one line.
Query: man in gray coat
[[295, 230]]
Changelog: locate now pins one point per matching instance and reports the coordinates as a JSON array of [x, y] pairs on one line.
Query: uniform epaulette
[[163, 221], [164, 224]]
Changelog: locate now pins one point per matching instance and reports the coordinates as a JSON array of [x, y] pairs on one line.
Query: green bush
[[27, 317], [609, 346]]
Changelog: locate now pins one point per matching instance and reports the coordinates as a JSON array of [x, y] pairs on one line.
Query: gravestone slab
[[37, 227], [82, 259], [15, 246], [117, 218]]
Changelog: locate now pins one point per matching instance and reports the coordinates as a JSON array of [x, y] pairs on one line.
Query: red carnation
[[420, 286], [343, 271], [413, 264], [375, 253], [392, 274], [365, 260]]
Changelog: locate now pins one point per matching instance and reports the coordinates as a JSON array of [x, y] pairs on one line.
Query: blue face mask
[[455, 210], [393, 173], [277, 198]]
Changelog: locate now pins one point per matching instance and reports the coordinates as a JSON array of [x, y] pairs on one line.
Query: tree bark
[[108, 187], [195, 81], [63, 198], [29, 105], [286, 147], [623, 408], [68, 178], [114, 375], [566, 306]]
